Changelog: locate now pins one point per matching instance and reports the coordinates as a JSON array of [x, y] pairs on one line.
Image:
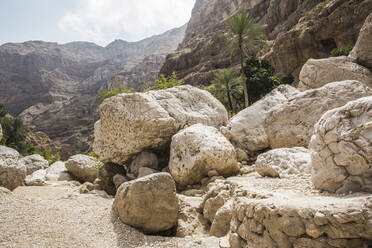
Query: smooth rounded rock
[[83, 167]]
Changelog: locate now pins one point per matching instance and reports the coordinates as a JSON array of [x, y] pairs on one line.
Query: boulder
[[33, 163], [144, 171], [106, 176], [197, 150], [341, 148], [144, 159], [362, 51], [149, 203], [119, 180], [57, 172], [284, 162], [132, 123], [291, 124], [12, 173], [245, 130], [83, 167], [319, 72], [221, 223], [37, 178]]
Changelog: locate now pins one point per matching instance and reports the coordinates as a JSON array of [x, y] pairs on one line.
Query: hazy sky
[[99, 21]]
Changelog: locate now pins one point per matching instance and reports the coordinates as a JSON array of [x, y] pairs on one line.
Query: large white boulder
[[37, 178], [198, 149], [132, 123], [291, 124], [12, 173], [33, 163], [149, 203], [284, 162], [341, 148], [83, 167], [57, 172], [319, 72], [362, 51], [245, 130]]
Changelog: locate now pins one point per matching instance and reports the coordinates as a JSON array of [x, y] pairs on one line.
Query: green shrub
[[341, 51], [98, 163], [163, 82], [322, 4], [49, 156], [107, 94]]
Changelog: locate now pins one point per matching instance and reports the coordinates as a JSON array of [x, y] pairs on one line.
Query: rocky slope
[[296, 30], [53, 87]]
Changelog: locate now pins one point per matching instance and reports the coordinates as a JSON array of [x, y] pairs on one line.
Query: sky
[[98, 21]]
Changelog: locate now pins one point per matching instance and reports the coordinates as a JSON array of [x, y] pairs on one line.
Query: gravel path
[[58, 216]]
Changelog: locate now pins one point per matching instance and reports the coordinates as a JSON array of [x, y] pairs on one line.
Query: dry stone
[[144, 171], [245, 130], [57, 172], [33, 163], [132, 123], [291, 124], [144, 159], [12, 173], [106, 176], [149, 203], [284, 162], [83, 167], [341, 148], [37, 178], [319, 72], [197, 150], [362, 51]]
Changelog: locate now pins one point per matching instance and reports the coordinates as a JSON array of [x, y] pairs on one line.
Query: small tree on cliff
[[246, 35]]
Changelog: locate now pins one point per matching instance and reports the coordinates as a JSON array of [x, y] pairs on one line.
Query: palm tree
[[226, 86], [247, 35]]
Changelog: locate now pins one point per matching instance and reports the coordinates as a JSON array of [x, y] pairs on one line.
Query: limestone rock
[[341, 148], [319, 72], [57, 172], [83, 167], [12, 173], [132, 123], [37, 178], [221, 223], [291, 124], [144, 159], [33, 163], [119, 180], [197, 150], [245, 130], [284, 162], [362, 51], [144, 171], [86, 188], [106, 176], [149, 203]]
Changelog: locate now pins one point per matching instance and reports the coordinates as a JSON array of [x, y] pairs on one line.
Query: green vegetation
[[246, 35], [98, 163], [107, 94], [322, 4], [163, 82], [227, 88], [260, 78], [49, 156], [341, 51]]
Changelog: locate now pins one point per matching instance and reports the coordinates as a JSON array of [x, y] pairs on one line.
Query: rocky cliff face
[[296, 30], [53, 87]]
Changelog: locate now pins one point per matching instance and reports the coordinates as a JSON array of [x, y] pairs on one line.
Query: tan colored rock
[[284, 162], [119, 180], [291, 124], [144, 171], [197, 150], [37, 178], [83, 167], [33, 163], [144, 159], [362, 51], [106, 175], [12, 173], [57, 172], [245, 130], [341, 148], [221, 222], [319, 72], [86, 188], [132, 123], [149, 203]]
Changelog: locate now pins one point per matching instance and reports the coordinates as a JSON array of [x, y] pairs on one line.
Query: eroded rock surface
[[106, 176], [197, 150], [37, 178], [284, 162], [33, 163], [132, 123], [149, 203], [12, 173], [291, 124], [144, 159], [57, 172], [319, 72], [83, 167], [245, 130], [341, 148]]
